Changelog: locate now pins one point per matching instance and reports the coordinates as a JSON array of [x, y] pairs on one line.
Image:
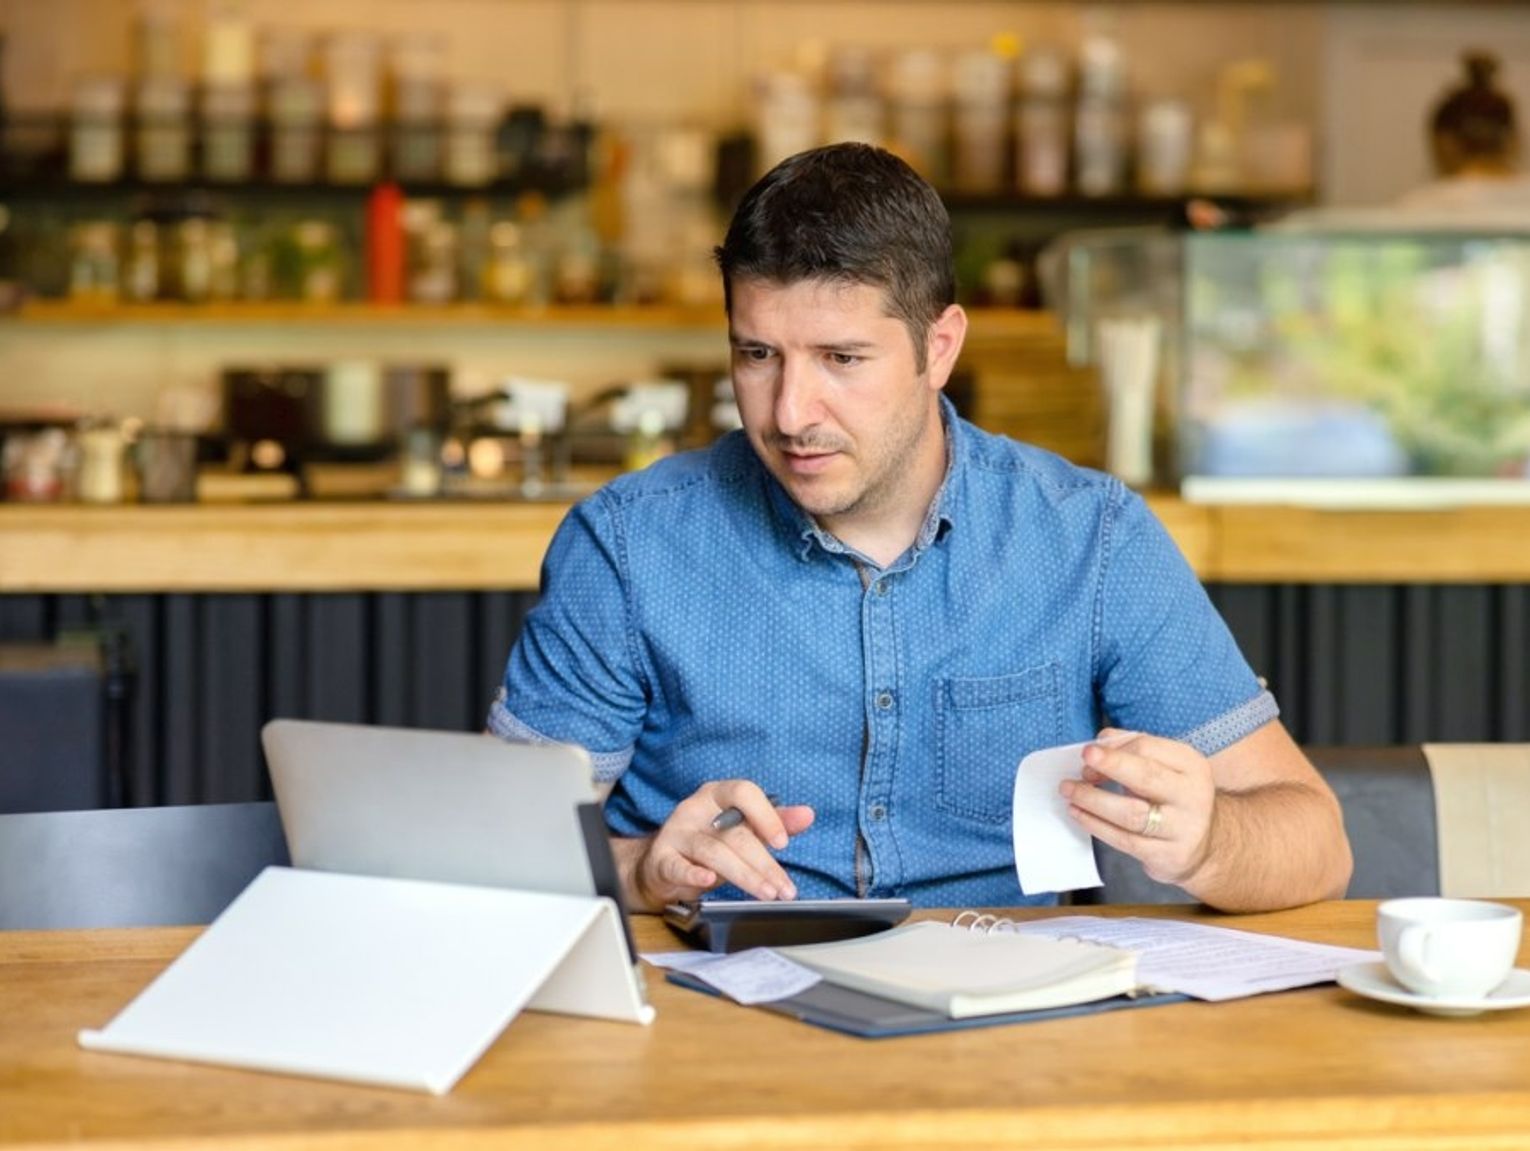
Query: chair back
[[132, 866]]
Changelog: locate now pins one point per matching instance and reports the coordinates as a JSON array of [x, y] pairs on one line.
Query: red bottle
[[385, 245]]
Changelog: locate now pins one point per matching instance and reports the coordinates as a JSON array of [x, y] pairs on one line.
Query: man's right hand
[[688, 857]]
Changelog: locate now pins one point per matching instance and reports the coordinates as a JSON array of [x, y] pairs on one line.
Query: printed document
[[1196, 959]]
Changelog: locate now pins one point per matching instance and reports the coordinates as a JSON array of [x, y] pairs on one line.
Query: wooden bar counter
[[1315, 1068], [481, 544]]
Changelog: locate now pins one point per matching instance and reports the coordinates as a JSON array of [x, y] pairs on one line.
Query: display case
[[1376, 355]]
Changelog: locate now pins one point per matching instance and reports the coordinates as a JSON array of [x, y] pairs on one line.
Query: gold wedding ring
[[1154, 820]]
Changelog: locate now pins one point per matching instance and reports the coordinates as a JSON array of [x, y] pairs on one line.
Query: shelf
[[986, 323]]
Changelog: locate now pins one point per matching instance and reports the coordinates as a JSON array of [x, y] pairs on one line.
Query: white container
[[353, 408]]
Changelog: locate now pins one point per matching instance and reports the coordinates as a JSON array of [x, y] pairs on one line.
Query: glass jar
[[510, 275], [981, 83], [295, 111], [433, 263], [416, 143], [95, 130], [319, 264], [472, 113], [228, 133], [917, 98], [352, 71], [94, 273], [164, 129], [1042, 124], [194, 259], [141, 273]]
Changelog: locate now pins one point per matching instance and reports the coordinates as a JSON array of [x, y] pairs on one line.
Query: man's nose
[[797, 398]]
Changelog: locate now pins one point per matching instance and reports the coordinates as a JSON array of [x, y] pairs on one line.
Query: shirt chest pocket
[[983, 727]]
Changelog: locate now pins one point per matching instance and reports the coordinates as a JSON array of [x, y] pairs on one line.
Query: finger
[[760, 815], [1128, 812], [1114, 835], [1115, 736], [678, 871], [1133, 771], [739, 858], [796, 818]]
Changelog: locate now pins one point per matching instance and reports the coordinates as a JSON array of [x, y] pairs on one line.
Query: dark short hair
[[850, 213], [1477, 116]]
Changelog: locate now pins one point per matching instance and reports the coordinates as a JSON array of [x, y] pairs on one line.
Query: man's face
[[833, 401]]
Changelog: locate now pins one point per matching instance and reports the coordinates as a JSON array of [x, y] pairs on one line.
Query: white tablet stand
[[398, 982]]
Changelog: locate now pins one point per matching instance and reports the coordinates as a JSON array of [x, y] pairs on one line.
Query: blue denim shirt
[[695, 625]]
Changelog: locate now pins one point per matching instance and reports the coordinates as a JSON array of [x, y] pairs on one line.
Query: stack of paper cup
[[1127, 352]]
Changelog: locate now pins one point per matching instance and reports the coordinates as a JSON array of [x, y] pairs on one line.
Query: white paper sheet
[[1214, 963], [758, 975], [1052, 851], [678, 960]]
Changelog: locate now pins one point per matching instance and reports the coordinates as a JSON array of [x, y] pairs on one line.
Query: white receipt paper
[[757, 975], [1052, 851]]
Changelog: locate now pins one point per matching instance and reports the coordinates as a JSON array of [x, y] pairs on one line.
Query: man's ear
[[944, 345]]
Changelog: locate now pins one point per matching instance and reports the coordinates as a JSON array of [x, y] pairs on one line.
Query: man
[[851, 620]]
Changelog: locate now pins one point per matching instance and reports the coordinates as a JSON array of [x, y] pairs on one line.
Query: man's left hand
[[1164, 818]]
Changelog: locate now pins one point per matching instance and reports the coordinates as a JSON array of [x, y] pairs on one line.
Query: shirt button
[[878, 812], [884, 700], [881, 587]]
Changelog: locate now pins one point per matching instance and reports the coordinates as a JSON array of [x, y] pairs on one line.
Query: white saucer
[[1374, 981]]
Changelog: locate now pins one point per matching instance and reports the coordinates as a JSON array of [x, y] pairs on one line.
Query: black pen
[[732, 816]]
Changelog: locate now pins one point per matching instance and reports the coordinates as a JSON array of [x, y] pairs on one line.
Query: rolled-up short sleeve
[[571, 676], [1166, 661]]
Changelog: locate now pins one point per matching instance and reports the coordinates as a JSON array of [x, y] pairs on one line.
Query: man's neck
[[882, 535]]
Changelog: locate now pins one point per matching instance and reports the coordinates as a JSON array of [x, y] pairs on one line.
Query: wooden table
[[1313, 1068]]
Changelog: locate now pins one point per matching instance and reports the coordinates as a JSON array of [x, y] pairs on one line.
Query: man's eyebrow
[[738, 340]]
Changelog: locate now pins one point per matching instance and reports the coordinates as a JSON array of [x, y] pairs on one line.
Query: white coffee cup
[[1448, 948]]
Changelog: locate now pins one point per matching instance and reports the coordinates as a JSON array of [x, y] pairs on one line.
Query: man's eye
[[756, 355], [844, 359]]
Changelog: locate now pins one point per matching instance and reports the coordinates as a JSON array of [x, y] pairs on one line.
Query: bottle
[[385, 244]]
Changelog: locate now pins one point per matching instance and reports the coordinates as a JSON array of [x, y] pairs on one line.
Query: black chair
[[132, 866], [1388, 800]]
